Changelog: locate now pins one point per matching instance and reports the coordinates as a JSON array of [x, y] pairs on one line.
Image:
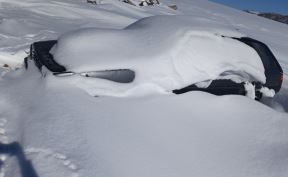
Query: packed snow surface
[[64, 131], [166, 52], [67, 132]]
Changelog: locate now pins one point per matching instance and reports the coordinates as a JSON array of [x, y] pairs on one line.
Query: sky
[[278, 6]]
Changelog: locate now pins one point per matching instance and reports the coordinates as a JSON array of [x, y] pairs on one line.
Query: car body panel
[[40, 54]]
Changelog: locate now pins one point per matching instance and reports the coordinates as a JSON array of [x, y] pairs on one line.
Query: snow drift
[[166, 52], [65, 132]]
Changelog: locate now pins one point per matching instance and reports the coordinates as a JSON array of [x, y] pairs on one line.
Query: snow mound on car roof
[[166, 52]]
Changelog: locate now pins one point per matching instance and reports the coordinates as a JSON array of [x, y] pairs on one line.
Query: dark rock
[[6, 66], [276, 17], [174, 7], [92, 2], [272, 16], [142, 3]]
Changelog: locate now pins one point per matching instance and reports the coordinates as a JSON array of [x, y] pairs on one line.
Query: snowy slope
[[160, 136], [23, 22], [66, 132]]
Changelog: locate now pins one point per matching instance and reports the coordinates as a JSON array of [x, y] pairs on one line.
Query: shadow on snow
[[15, 149]]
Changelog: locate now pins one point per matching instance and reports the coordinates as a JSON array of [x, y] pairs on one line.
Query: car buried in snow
[[163, 55]]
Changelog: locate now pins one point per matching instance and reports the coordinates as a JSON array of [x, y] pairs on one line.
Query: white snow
[[66, 132], [166, 52], [250, 90], [267, 92], [179, 135]]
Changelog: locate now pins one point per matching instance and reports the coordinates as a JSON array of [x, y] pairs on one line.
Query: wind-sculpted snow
[[66, 132], [165, 52], [24, 22]]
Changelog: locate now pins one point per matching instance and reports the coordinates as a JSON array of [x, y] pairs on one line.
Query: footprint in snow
[[4, 140], [49, 163]]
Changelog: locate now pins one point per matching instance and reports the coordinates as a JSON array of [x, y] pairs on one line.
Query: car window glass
[[117, 75]]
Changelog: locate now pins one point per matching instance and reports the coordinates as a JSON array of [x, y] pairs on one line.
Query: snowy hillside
[[63, 131]]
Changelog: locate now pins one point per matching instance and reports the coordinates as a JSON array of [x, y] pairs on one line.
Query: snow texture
[[66, 132], [166, 52]]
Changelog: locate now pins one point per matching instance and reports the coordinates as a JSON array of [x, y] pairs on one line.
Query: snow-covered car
[[166, 54]]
